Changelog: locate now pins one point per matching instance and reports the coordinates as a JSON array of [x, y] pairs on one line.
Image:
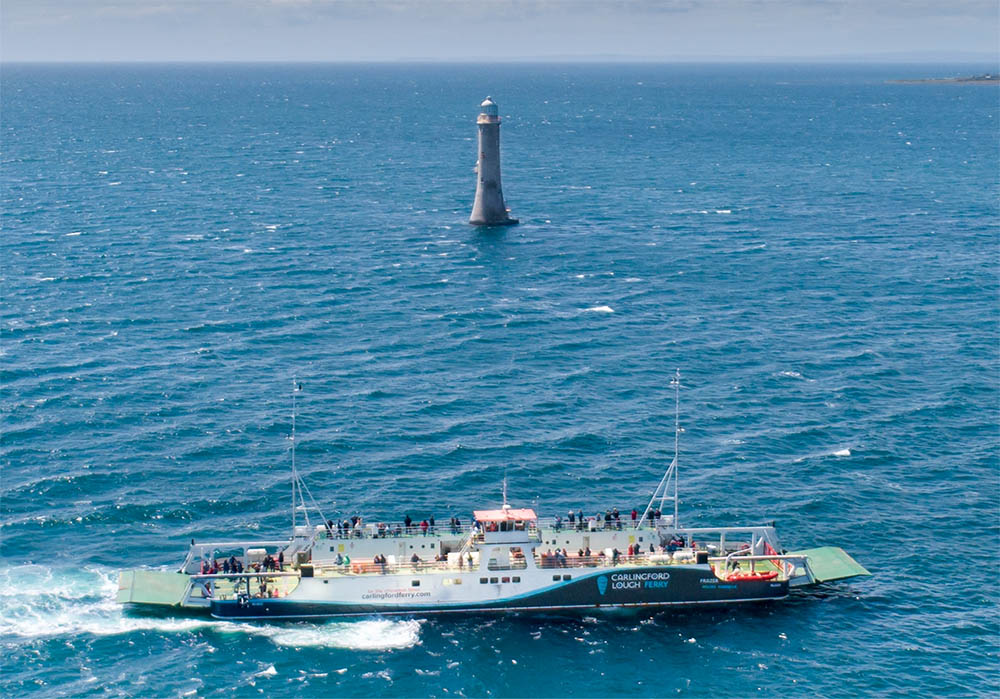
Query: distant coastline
[[985, 79]]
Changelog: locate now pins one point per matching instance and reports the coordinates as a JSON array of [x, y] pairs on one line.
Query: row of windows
[[484, 581], [505, 579]]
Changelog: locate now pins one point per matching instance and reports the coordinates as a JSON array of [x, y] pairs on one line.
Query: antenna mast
[[662, 491], [677, 436], [295, 475]]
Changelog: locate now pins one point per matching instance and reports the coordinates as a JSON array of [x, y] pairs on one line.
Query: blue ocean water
[[815, 248]]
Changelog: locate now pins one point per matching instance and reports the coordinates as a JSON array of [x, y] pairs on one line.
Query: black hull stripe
[[472, 610]]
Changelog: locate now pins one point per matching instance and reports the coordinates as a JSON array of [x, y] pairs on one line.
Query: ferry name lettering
[[635, 581]]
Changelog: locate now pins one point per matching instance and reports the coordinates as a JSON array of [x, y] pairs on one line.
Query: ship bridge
[[508, 525]]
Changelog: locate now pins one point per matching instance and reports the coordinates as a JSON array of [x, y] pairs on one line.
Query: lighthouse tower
[[489, 208]]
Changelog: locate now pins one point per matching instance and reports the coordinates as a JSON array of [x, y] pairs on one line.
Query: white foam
[[38, 602], [599, 309], [71, 235], [842, 452]]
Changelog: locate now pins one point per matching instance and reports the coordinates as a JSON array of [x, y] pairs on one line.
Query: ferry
[[502, 559]]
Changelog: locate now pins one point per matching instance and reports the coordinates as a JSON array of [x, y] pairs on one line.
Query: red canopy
[[508, 515]]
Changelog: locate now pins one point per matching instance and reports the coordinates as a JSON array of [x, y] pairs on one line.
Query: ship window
[[567, 577], [482, 581], [415, 583], [556, 577], [494, 580], [640, 539], [506, 580], [516, 578], [326, 582]]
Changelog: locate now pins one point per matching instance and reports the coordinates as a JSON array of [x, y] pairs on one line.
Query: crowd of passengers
[[560, 558], [355, 526], [235, 565]]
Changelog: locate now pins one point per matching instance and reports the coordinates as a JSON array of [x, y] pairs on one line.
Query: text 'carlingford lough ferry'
[[504, 559]]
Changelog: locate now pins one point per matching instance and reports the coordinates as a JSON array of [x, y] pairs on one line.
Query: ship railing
[[230, 586], [681, 557], [391, 530], [208, 549], [593, 524]]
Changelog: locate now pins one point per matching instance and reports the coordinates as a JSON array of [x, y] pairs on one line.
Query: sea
[[813, 247]]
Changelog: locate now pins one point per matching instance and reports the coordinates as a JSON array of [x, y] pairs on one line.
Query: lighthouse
[[489, 208]]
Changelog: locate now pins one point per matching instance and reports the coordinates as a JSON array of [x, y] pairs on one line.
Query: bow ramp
[[829, 563]]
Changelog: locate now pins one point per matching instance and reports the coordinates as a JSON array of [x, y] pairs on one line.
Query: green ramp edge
[[141, 586], [831, 563]]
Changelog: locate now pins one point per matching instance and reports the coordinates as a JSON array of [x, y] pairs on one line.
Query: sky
[[483, 30]]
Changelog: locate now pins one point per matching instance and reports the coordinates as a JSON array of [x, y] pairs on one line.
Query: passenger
[[225, 566], [461, 562], [579, 554], [635, 515], [469, 559], [652, 549], [558, 522], [615, 555], [339, 560], [407, 522], [215, 566], [239, 566], [570, 517], [281, 560], [423, 527], [431, 524], [579, 518], [415, 560]]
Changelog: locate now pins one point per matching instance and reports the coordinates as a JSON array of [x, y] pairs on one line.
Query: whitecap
[[723, 211], [374, 634], [599, 309], [71, 235], [842, 452], [39, 602]]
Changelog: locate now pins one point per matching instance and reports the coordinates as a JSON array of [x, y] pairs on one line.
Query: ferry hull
[[634, 587]]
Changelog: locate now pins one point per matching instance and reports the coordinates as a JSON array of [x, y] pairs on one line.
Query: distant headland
[[985, 79]]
